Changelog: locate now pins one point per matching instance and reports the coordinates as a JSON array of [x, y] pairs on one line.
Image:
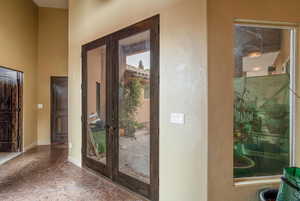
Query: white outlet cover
[[40, 106], [177, 118]]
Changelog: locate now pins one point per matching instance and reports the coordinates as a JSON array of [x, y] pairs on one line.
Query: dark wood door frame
[[150, 191], [111, 170], [20, 110], [53, 79], [18, 117], [86, 161]]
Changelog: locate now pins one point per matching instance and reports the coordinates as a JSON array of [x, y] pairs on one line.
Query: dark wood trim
[[96, 166], [134, 184], [154, 99], [110, 115], [151, 190], [115, 111], [52, 109], [86, 161], [20, 110], [83, 102]]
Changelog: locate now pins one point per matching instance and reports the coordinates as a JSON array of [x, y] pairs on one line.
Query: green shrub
[[128, 105]]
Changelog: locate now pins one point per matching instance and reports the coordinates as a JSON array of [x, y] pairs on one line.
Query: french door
[[120, 96]]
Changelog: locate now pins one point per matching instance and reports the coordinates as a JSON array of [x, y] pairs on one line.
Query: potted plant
[[246, 121], [267, 194], [129, 102]]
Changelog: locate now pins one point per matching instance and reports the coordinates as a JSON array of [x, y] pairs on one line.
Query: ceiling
[[52, 3]]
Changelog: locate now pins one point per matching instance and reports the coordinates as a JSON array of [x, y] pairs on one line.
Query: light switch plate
[[177, 118], [40, 106]]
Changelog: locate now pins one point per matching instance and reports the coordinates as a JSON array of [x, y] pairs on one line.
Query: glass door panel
[[96, 138], [134, 106]]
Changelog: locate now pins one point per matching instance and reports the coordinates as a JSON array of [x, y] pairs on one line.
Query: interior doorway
[[11, 96], [59, 110], [120, 97]]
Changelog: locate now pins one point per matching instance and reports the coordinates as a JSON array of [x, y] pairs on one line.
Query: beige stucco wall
[[182, 78], [221, 14], [52, 61], [18, 50]]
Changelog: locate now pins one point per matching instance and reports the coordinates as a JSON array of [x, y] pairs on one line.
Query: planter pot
[[122, 132], [267, 195], [244, 169]]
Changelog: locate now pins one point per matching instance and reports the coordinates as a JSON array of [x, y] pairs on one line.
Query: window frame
[[293, 69]]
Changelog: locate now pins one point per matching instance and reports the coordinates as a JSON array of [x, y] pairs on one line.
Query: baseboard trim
[[9, 157], [75, 161], [43, 143], [31, 146]]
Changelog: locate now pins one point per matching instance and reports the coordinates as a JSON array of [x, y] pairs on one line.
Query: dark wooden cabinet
[[10, 110]]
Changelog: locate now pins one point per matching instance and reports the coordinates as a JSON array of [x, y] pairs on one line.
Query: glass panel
[[262, 101], [134, 108], [96, 104]]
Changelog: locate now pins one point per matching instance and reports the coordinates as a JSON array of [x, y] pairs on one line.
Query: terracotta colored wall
[[221, 15], [18, 50], [183, 154], [96, 73], [52, 61], [143, 111]]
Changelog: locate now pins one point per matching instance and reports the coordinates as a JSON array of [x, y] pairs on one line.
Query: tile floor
[[44, 174]]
